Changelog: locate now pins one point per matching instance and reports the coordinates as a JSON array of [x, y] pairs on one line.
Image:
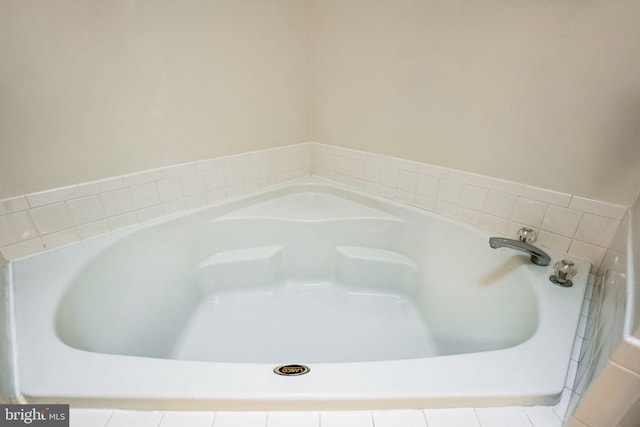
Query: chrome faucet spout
[[538, 256]]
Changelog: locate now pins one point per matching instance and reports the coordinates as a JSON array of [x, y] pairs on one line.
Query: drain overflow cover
[[291, 370]]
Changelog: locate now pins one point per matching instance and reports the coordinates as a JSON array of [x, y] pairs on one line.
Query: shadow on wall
[[620, 142]]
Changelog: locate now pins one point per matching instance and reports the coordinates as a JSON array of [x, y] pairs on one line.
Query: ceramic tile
[[55, 195], [16, 227], [135, 419], [86, 210], [593, 253], [426, 202], [553, 241], [469, 216], [446, 208], [346, 419], [400, 418], [233, 175], [473, 197], [238, 189], [403, 164], [214, 178], [529, 212], [169, 189], [407, 181], [22, 249], [216, 195], [388, 176], [432, 170], [240, 419], [503, 417], [542, 416], [499, 204], [342, 165], [195, 201], [597, 207], [493, 222], [143, 177], [193, 183], [151, 212], [293, 419], [281, 163], [449, 191], [250, 172], [561, 221], [547, 196], [295, 161], [266, 167], [124, 220], [282, 150], [466, 177], [427, 186], [89, 417], [560, 409], [13, 204], [343, 179], [356, 183], [357, 168], [372, 187], [60, 238], [51, 218], [187, 419], [405, 196], [451, 417], [503, 186], [117, 202], [92, 229], [101, 186], [372, 172], [571, 374], [596, 229], [317, 157]]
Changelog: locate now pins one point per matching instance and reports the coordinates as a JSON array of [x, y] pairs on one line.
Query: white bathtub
[[389, 306]]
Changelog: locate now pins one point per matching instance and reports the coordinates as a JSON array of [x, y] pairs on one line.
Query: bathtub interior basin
[[308, 277], [390, 306]]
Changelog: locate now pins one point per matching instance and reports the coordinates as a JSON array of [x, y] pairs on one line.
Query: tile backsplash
[[565, 222], [35, 222], [44, 220]]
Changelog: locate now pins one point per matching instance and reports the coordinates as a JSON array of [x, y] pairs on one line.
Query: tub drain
[[291, 370]]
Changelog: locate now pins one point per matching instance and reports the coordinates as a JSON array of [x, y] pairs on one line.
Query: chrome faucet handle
[[563, 271], [526, 234]]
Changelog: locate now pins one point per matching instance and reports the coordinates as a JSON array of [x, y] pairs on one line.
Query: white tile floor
[[538, 416]]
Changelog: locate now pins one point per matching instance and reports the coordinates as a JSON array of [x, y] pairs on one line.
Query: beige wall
[[541, 92], [544, 93], [92, 89]]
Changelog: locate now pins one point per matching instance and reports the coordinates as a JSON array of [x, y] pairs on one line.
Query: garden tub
[[371, 304]]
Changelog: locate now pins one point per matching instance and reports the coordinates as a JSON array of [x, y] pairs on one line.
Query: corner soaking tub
[[387, 305]]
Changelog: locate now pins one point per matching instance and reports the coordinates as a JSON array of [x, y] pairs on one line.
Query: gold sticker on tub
[[291, 370]]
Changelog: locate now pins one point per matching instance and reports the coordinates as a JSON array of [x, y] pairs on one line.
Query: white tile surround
[[35, 222], [39, 221], [45, 220], [567, 223]]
